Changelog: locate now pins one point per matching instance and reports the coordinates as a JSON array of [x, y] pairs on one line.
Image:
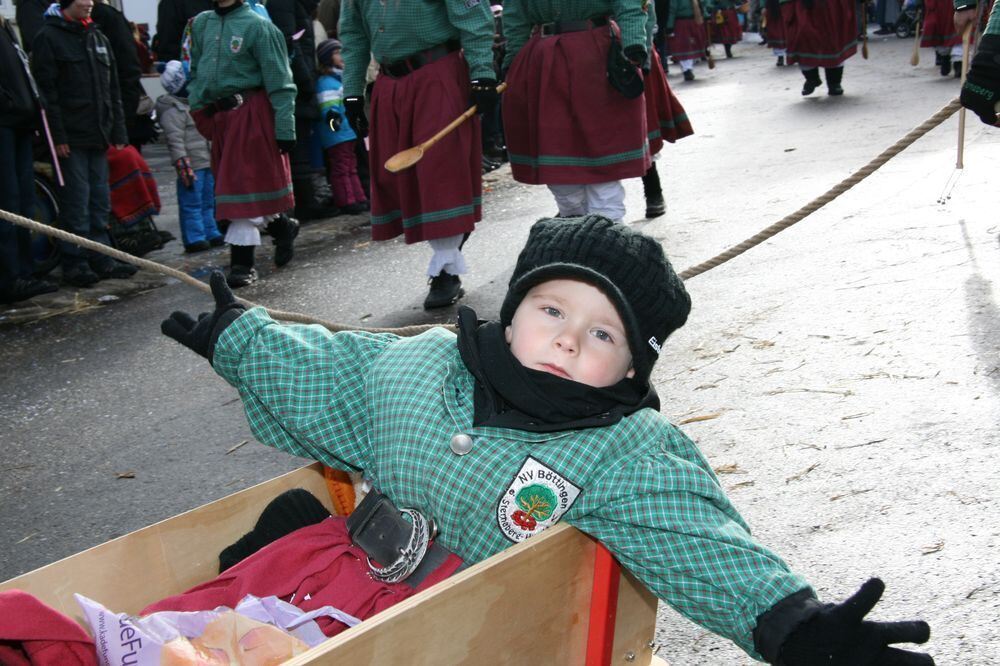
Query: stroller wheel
[[904, 31]]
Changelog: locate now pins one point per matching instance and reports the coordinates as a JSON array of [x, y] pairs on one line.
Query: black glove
[[484, 95], [636, 54], [286, 145], [838, 635], [981, 90], [334, 120], [200, 336], [354, 107]]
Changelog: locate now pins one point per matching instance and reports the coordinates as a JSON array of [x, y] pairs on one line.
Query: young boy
[[336, 134], [547, 414], [191, 156]]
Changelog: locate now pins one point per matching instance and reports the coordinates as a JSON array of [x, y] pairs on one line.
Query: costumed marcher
[[981, 90], [821, 33], [666, 120], [938, 32], [775, 27], [20, 118], [556, 419], [335, 133], [76, 73], [434, 58], [726, 28], [172, 16], [190, 154], [569, 123], [243, 101], [686, 35]]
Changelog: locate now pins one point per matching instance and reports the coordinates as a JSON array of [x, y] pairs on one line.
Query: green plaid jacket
[[237, 52], [520, 16], [391, 30], [390, 406]]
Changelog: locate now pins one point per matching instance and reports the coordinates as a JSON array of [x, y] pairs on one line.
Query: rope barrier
[[946, 112]]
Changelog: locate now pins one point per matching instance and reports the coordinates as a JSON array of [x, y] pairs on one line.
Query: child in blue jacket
[[336, 134]]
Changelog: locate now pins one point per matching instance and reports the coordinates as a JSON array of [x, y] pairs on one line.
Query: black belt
[[401, 68], [406, 550], [559, 27], [228, 103]]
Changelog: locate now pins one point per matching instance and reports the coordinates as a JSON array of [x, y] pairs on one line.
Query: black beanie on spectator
[[63, 4], [629, 267]]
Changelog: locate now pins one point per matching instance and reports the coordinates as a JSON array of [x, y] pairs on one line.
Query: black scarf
[[509, 395]]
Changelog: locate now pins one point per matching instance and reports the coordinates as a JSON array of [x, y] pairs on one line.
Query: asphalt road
[[846, 373]]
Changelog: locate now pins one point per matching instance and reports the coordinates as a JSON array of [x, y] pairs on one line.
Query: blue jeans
[[197, 208], [84, 201], [17, 195]]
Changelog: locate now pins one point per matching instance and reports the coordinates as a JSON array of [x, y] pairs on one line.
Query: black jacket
[[171, 17], [18, 105], [77, 76], [29, 20], [115, 27], [291, 16]]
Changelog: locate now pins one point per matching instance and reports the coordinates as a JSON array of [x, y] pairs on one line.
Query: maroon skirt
[[252, 177], [775, 27], [565, 124], [939, 24], [729, 30], [688, 41], [441, 195], [666, 119], [823, 35]]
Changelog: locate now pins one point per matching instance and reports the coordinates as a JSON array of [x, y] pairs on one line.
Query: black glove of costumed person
[[484, 95], [839, 635], [354, 107], [200, 336], [981, 90], [285, 145], [635, 54]]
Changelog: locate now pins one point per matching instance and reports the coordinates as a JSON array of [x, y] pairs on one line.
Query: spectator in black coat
[[29, 19], [115, 27], [171, 17], [19, 118]]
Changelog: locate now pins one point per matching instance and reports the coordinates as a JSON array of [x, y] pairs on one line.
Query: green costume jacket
[[392, 30], [237, 52], [520, 16], [391, 406]]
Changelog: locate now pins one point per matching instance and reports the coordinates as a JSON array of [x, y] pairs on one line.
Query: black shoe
[[112, 269], [283, 230], [356, 208], [834, 75], [80, 275], [241, 276], [24, 288], [490, 165], [812, 81], [655, 207], [946, 65], [445, 290], [218, 241], [689, 75], [729, 50], [197, 246], [957, 72], [781, 62], [165, 236]]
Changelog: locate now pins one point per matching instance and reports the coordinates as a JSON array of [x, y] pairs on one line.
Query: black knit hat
[[627, 266], [63, 4], [325, 51]]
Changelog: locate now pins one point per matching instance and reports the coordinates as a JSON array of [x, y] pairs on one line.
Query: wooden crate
[[528, 604]]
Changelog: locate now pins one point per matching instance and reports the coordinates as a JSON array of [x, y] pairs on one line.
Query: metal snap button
[[461, 444]]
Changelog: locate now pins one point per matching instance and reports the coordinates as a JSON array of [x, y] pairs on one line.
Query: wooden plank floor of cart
[[526, 605]]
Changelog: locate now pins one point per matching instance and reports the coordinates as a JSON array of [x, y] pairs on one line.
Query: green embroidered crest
[[536, 501]]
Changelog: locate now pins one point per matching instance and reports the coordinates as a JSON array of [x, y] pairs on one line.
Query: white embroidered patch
[[536, 499], [235, 43]]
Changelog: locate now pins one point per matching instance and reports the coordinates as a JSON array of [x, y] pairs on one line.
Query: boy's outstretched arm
[[664, 515], [303, 387]]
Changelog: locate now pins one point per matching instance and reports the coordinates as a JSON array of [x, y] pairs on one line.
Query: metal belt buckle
[[547, 29], [410, 555], [238, 99]]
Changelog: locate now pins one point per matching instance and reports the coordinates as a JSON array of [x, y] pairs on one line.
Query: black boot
[[655, 205], [833, 78], [729, 50], [689, 75], [241, 270], [306, 205], [781, 62], [945, 62], [812, 80], [21, 289], [283, 230], [445, 290]]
